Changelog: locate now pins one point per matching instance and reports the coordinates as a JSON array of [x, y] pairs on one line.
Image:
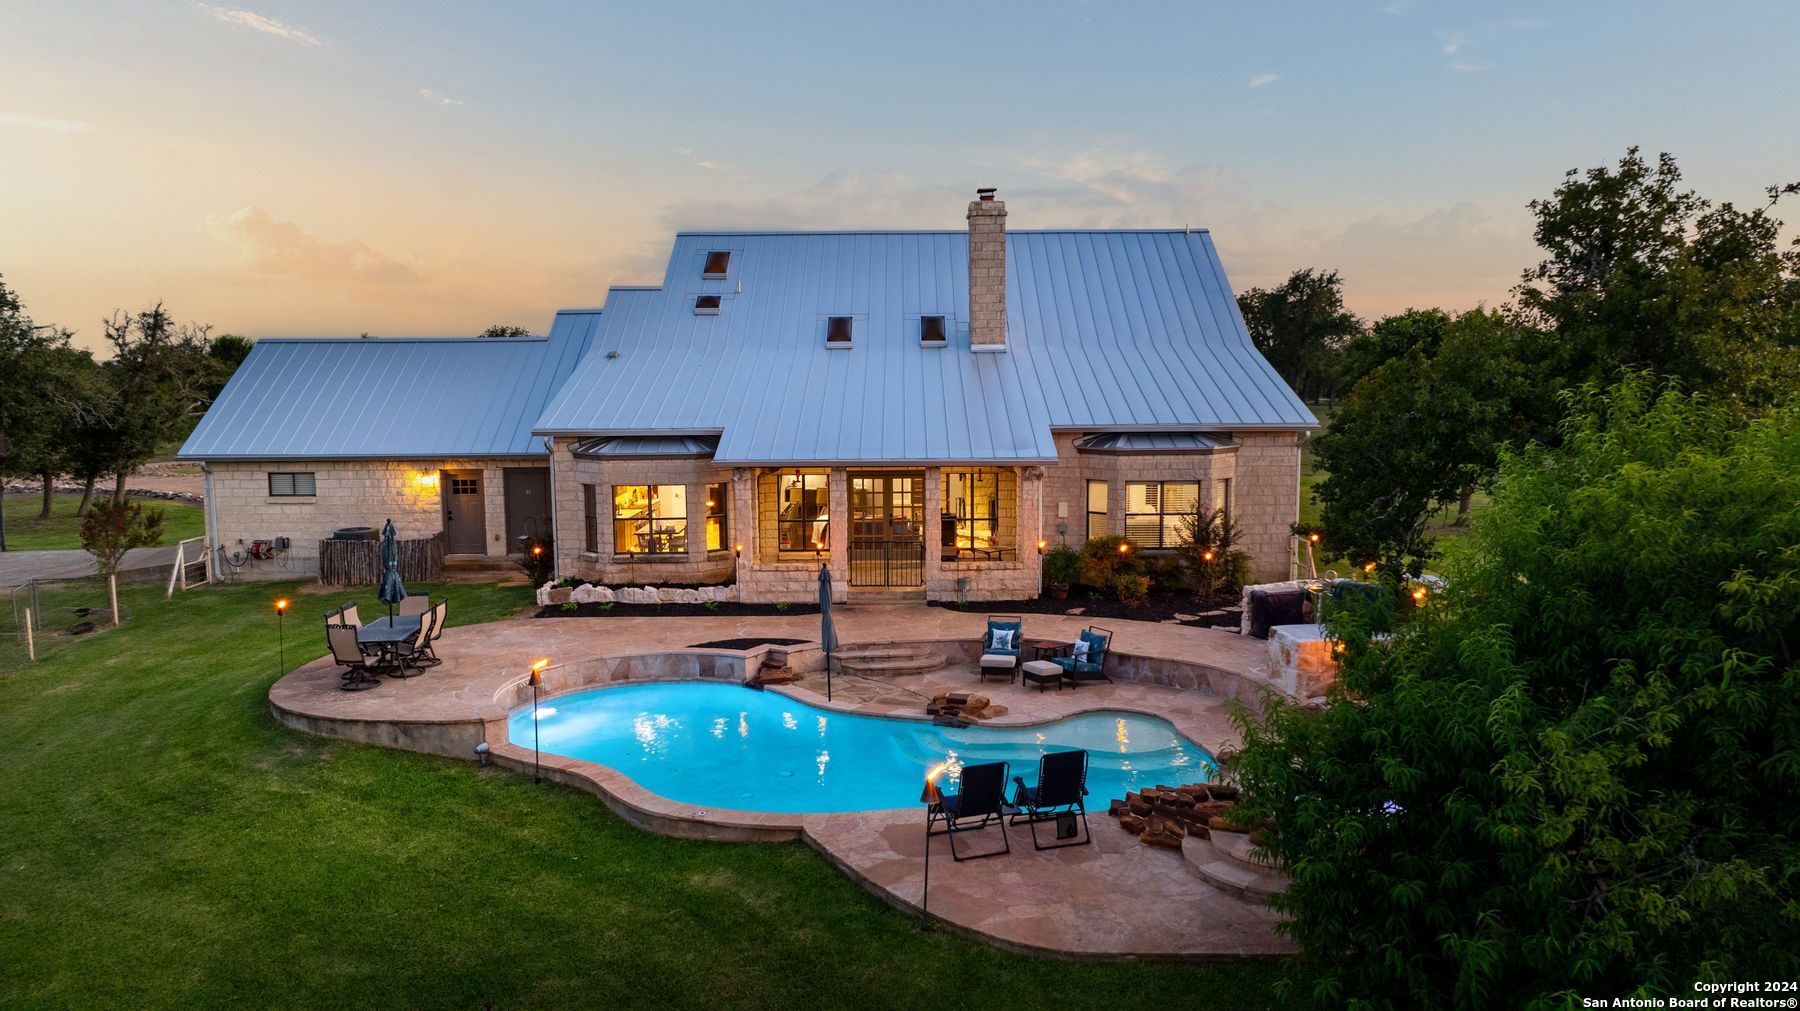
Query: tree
[[1207, 552], [503, 330], [1299, 326], [1388, 338], [113, 528], [157, 379], [1572, 774], [1424, 430], [39, 393], [1641, 274], [226, 352]]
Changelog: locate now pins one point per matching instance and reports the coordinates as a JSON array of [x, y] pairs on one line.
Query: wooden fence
[[358, 563]]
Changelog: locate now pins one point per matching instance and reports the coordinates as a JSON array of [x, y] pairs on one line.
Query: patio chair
[[1057, 798], [1087, 657], [357, 673], [347, 614], [413, 605], [438, 614], [409, 654], [980, 802], [1000, 645]]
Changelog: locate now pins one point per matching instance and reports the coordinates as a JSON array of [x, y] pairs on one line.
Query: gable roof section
[[390, 398], [1120, 330]]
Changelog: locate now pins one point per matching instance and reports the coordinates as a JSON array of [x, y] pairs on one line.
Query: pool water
[[725, 746]]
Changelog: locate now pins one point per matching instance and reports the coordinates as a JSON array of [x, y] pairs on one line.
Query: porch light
[[1042, 545], [737, 551], [425, 480]]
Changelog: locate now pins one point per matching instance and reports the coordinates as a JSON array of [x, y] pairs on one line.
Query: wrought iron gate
[[887, 530]]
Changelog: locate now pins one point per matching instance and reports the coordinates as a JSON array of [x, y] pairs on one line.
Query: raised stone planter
[[594, 594]]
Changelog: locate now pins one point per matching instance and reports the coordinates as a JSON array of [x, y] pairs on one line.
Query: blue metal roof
[[1119, 330], [1153, 442], [390, 398]]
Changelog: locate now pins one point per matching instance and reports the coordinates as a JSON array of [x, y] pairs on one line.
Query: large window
[[803, 512], [590, 518], [717, 511], [1096, 509], [650, 519], [1154, 509], [971, 524], [292, 485]]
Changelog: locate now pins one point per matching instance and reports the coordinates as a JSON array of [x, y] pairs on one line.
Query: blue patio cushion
[[987, 639], [1089, 662]]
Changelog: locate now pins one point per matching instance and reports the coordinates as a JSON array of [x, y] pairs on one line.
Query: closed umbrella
[[827, 633], [392, 592]]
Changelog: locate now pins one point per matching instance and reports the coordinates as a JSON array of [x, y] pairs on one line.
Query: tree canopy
[[1298, 325], [504, 330]]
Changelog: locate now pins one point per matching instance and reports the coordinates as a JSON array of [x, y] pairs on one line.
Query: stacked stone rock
[[1165, 815], [775, 671], [964, 705]]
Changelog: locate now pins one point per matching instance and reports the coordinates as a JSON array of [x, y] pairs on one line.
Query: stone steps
[[880, 597], [886, 661], [1221, 862]]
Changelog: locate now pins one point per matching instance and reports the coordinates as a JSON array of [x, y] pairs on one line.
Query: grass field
[[166, 843], [25, 532]]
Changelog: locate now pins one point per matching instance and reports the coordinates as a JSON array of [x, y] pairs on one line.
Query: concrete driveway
[[18, 566]]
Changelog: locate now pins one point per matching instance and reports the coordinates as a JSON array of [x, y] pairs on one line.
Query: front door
[[527, 505], [887, 529], [465, 512]]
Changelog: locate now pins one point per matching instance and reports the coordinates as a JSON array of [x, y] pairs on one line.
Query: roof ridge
[[693, 232]]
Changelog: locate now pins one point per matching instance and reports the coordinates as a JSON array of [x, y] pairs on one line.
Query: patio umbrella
[[827, 633], [392, 592]]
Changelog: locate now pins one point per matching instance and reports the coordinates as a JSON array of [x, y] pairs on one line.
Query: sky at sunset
[[333, 168]]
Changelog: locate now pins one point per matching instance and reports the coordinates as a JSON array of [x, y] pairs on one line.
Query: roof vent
[[837, 332], [931, 330], [707, 305]]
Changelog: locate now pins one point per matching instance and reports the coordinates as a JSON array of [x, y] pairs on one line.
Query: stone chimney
[[987, 272]]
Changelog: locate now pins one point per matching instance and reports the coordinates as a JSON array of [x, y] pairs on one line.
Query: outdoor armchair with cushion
[[981, 800], [409, 653], [1000, 645], [413, 604], [1087, 657], [438, 614], [349, 655], [347, 614], [1057, 797]]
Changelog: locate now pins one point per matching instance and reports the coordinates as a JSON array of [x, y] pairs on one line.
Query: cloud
[[268, 245], [444, 100], [38, 123], [1261, 79], [1452, 46], [256, 22]]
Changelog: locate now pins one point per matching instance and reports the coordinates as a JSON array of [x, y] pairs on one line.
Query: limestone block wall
[[698, 565], [1267, 494], [350, 493]]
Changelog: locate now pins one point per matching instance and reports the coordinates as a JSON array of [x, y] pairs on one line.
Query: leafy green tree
[[225, 353], [113, 528], [157, 383], [1424, 430], [1641, 274], [1388, 338], [504, 330], [1299, 325], [39, 394], [1572, 773], [1208, 555]]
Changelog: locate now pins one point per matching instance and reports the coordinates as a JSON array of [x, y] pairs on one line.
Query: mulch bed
[[745, 643], [1157, 608], [723, 608]]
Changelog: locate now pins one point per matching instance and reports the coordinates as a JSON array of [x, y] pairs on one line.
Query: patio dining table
[[386, 635]]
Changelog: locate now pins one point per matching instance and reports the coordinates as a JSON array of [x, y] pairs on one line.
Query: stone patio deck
[[1114, 899]]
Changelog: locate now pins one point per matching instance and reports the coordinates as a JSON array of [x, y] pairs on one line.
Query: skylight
[[707, 305], [837, 331], [718, 263], [931, 330]]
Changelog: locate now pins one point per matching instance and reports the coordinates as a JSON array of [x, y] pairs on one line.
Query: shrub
[[1565, 773], [538, 560], [1062, 565], [1105, 560], [1130, 588], [1214, 567]]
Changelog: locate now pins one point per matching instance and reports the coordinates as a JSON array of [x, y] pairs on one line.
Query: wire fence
[[42, 618]]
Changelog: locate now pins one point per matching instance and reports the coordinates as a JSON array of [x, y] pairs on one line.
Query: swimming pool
[[725, 746]]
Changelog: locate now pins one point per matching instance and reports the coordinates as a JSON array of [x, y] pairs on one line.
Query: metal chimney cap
[[985, 192]]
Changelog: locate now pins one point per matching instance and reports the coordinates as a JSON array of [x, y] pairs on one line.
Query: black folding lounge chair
[[1057, 797], [982, 800]]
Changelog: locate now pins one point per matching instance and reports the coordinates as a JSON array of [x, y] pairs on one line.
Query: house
[[921, 411]]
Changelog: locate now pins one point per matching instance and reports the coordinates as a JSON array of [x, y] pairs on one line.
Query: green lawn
[[166, 843], [25, 532]]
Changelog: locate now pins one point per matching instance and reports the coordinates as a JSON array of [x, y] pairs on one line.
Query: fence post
[[30, 643], [175, 573]]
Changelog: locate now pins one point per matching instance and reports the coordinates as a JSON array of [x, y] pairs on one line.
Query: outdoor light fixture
[[1370, 567], [931, 797], [1125, 548], [1418, 595], [481, 753], [1313, 537], [425, 480], [1042, 545], [1206, 556], [281, 606], [537, 681], [737, 551], [537, 549]]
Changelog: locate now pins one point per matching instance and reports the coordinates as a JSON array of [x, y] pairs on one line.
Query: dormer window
[[837, 332], [931, 330], [707, 305], [718, 263]]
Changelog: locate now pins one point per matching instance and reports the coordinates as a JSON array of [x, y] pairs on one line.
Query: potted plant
[[1062, 566]]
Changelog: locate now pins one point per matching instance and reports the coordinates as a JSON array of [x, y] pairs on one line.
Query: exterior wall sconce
[[425, 480], [1042, 545]]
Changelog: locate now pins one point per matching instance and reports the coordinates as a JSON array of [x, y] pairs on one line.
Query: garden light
[[930, 798], [537, 681], [281, 606], [1125, 548], [1206, 556], [1313, 537], [1418, 595]]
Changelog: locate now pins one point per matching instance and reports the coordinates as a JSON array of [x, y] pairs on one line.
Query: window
[[717, 511], [837, 331], [1096, 509], [931, 330], [292, 485], [971, 515], [1224, 502], [465, 486], [590, 518], [649, 519], [707, 305], [803, 512], [718, 263], [1153, 511]]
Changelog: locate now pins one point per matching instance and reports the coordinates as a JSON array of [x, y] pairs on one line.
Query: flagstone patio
[[1114, 899]]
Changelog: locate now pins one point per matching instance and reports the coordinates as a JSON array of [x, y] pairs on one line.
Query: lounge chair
[[1057, 797], [357, 674], [1000, 645], [1087, 657], [981, 801], [413, 606], [438, 615]]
